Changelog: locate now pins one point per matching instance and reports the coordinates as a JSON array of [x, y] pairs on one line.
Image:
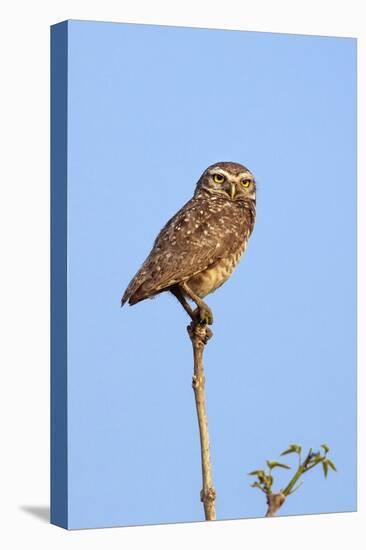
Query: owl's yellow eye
[[218, 178], [246, 183]]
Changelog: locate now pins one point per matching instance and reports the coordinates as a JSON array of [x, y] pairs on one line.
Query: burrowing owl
[[199, 247]]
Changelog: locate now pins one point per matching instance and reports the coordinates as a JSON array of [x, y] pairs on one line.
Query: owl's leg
[[204, 313], [175, 289]]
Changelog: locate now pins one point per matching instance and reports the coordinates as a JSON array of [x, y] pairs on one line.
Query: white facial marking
[[228, 174]]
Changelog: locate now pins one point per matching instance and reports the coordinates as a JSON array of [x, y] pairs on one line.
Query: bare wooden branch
[[199, 336], [274, 501]]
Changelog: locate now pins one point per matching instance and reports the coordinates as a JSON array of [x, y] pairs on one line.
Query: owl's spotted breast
[[216, 274]]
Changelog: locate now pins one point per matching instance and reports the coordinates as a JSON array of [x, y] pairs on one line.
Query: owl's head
[[229, 179]]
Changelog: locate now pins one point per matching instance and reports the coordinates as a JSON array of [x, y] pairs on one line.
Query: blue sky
[[149, 109]]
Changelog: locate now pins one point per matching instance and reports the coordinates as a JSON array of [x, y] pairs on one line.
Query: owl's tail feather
[[135, 298], [129, 297], [132, 288], [124, 299], [134, 294]]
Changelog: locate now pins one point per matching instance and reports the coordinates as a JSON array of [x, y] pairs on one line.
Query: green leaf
[[325, 467], [331, 464], [292, 449], [275, 464], [255, 484], [325, 447], [288, 451], [256, 473], [269, 481]]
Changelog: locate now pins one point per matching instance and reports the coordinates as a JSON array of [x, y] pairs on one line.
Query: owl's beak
[[232, 190]]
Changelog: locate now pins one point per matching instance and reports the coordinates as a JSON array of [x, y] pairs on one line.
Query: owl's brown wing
[[199, 234]]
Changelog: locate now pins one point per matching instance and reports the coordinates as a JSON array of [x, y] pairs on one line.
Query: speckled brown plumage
[[202, 244]]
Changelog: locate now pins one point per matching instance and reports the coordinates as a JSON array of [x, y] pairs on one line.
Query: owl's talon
[[209, 334], [203, 315], [196, 330]]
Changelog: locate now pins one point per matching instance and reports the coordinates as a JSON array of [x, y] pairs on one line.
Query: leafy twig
[[265, 478]]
